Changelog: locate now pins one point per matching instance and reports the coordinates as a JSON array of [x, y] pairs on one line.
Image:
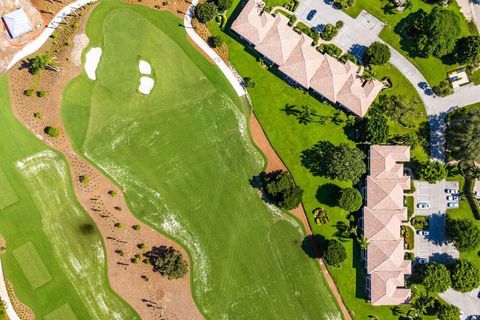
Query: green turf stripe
[[32, 265]]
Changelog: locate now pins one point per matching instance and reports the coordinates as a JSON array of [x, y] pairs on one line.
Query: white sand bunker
[[146, 85], [144, 67], [92, 61]]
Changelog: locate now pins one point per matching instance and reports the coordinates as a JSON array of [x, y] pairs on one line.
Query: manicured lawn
[[184, 157], [433, 69], [289, 137], [48, 260], [462, 212]]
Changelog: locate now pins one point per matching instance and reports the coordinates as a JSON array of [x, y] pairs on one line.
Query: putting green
[[32, 265], [7, 195], [184, 156], [49, 261]]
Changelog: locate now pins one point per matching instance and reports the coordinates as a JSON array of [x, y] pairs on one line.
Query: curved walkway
[[36, 44], [12, 315]]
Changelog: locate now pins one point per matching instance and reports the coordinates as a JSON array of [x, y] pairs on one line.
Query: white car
[[423, 232], [451, 191], [452, 205], [452, 198], [422, 261], [423, 205]]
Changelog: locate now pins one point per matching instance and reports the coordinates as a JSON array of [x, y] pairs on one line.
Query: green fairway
[[27, 256], [49, 261], [7, 195], [184, 157]]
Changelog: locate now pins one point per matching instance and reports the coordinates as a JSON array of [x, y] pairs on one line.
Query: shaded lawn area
[[462, 212], [433, 69], [289, 137]]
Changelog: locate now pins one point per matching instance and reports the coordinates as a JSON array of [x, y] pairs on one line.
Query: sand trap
[[92, 61], [144, 67], [146, 85]]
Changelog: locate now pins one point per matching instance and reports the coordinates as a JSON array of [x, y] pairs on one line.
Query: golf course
[[55, 257], [184, 158]]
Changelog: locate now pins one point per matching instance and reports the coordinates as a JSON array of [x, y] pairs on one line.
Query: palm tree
[[362, 242]]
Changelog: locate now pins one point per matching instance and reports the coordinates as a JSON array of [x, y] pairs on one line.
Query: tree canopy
[[335, 162], [335, 253], [465, 276], [437, 32], [206, 11], [167, 261], [350, 199], [215, 41], [435, 277], [282, 190], [41, 62], [377, 53], [464, 234], [467, 49], [432, 171], [398, 108], [448, 312], [463, 134], [223, 5], [376, 129]]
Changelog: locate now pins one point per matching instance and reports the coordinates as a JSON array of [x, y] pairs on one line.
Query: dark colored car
[[311, 14]]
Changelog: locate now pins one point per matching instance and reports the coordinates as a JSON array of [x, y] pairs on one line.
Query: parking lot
[[468, 302], [434, 246]]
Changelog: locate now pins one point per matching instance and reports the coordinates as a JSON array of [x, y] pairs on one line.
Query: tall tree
[[448, 312], [465, 276], [464, 234], [432, 171], [467, 49], [282, 190], [463, 134], [350, 199], [335, 162], [335, 253], [377, 53], [438, 32], [435, 277], [376, 129]]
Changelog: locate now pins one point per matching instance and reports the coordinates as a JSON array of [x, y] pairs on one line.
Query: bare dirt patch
[[152, 296]]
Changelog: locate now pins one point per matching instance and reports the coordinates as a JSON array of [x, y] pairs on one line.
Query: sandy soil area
[[22, 310], [153, 298], [275, 163]]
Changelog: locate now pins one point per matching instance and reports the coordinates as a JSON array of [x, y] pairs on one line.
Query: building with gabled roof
[[381, 223], [301, 62], [17, 23]]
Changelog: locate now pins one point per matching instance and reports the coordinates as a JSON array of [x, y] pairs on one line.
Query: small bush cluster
[[282, 190], [167, 261]]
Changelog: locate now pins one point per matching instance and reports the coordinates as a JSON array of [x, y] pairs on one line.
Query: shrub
[[435, 277], [41, 94], [136, 259], [432, 171], [223, 5], [443, 89], [37, 115], [350, 199], [51, 131], [329, 32], [248, 82], [281, 189], [339, 24], [84, 179], [464, 234], [215, 41], [348, 57], [137, 227], [420, 222], [330, 49], [465, 276], [167, 261], [343, 4], [467, 49], [112, 193], [448, 312], [205, 12], [335, 253], [377, 54], [28, 92], [40, 62]]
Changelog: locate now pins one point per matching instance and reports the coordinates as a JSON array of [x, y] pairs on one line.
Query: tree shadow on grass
[[327, 194], [408, 33], [313, 245]]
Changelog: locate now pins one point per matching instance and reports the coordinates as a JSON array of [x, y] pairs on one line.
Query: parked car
[[311, 15], [452, 205], [452, 198], [423, 205], [451, 191], [422, 261], [423, 232]]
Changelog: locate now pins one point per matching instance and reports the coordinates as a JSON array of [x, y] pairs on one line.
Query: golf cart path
[[12, 315]]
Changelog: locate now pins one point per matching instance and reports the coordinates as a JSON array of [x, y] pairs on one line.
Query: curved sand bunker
[[91, 63], [144, 67]]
